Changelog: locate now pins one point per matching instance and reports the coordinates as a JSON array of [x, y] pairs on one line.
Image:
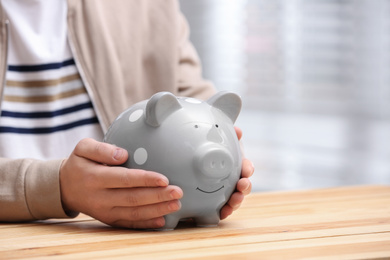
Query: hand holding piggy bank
[[192, 142]]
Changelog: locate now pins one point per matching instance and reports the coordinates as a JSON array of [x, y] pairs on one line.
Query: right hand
[[92, 183]]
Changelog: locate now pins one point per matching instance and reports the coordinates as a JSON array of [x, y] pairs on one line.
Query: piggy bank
[[192, 142]]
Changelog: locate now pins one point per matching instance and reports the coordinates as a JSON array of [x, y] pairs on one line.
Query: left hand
[[243, 188]]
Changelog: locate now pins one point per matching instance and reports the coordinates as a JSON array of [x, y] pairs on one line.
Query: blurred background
[[314, 76]]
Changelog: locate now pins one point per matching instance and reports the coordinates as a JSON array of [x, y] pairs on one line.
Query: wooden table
[[337, 223]]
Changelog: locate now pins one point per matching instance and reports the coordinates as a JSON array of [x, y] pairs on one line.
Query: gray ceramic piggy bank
[[192, 142]]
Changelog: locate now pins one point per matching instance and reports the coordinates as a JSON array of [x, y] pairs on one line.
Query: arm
[[30, 190], [90, 182]]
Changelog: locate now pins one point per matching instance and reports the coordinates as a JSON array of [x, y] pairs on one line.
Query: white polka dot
[[193, 100], [136, 115], [140, 156]]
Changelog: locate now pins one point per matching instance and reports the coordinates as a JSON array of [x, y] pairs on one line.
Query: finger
[[141, 196], [226, 211], [233, 204], [100, 152], [238, 132], [146, 224], [235, 200], [244, 186], [247, 168], [121, 177], [147, 212]]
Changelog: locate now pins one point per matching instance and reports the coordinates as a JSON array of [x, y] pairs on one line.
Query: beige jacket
[[125, 51]]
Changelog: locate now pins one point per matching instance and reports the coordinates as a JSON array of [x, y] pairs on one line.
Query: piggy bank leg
[[171, 222], [211, 220]]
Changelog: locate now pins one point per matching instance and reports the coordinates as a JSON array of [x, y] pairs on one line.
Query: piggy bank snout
[[214, 161]]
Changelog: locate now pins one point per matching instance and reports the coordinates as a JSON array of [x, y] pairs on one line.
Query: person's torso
[[45, 109]]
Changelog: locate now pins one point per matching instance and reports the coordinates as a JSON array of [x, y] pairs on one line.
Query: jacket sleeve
[[190, 80], [30, 190]]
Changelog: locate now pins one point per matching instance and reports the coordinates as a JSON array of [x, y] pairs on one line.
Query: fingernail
[[175, 194], [235, 207], [174, 205], [118, 154], [160, 222], [163, 182], [247, 186]]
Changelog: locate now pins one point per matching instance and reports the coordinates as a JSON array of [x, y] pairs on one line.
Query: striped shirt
[[45, 108]]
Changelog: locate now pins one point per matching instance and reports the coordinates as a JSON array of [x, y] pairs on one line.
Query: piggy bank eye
[[216, 125], [196, 126]]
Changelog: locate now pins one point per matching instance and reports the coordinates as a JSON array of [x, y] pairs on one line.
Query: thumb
[[100, 152]]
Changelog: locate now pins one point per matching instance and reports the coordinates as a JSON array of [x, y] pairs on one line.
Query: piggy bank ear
[[229, 103], [159, 107]]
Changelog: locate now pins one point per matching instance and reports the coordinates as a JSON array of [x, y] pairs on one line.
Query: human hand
[[243, 188], [92, 183]]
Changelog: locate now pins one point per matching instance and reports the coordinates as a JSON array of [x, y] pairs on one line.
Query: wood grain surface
[[336, 223]]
